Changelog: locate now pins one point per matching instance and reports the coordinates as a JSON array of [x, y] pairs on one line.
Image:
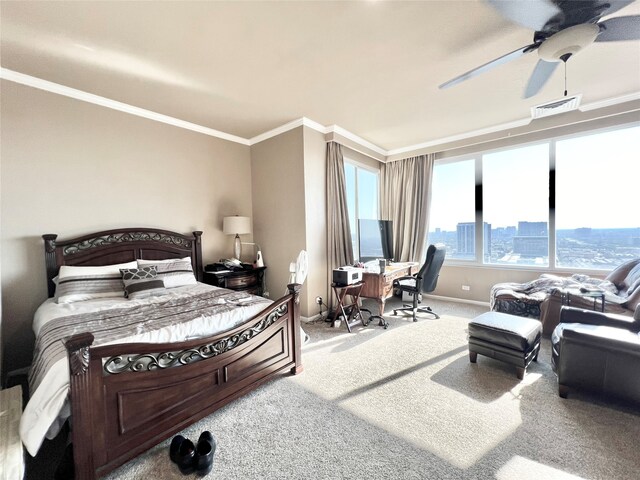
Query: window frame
[[479, 262], [355, 237]]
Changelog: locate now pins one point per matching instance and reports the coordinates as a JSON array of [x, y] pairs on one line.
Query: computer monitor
[[375, 239]]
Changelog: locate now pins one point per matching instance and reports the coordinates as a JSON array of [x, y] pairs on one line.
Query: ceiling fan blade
[[540, 75], [619, 28], [489, 65], [533, 14], [614, 5]]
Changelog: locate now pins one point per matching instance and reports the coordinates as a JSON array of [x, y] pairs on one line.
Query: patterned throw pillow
[[77, 284], [141, 282], [174, 273]]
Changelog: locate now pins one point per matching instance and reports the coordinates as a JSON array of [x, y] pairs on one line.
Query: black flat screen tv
[[375, 239]]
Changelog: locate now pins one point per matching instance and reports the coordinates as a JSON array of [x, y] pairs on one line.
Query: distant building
[[530, 246], [466, 236], [533, 229], [487, 241], [532, 239]]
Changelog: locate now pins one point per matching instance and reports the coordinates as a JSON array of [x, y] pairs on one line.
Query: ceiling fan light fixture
[[568, 42]]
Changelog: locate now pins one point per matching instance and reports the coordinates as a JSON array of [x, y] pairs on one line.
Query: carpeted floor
[[405, 403]]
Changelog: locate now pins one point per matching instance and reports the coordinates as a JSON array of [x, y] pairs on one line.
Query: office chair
[[424, 281]]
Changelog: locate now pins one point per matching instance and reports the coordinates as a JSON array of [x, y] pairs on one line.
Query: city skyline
[[528, 244]]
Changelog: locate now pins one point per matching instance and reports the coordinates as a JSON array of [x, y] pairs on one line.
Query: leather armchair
[[597, 351]]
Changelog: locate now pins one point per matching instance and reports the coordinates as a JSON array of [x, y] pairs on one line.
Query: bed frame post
[[294, 289], [198, 255], [50, 261], [82, 433]]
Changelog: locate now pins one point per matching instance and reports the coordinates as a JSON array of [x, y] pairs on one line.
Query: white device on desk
[[347, 275]]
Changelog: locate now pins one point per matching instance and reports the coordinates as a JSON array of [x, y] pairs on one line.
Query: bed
[[127, 397]]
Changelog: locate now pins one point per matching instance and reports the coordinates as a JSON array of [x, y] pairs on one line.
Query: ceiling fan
[[562, 28]]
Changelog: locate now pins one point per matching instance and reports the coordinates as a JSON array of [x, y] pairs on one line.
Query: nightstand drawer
[[242, 281], [248, 280], [255, 290]]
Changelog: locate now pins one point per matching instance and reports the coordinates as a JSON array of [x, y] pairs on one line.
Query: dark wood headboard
[[118, 246]]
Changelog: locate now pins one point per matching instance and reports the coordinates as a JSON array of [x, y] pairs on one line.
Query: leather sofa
[[543, 298], [597, 351], [626, 280]]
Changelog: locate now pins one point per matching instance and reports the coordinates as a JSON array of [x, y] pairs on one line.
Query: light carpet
[[406, 403]]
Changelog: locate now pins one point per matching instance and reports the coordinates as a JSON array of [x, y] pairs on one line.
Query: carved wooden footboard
[[127, 398]]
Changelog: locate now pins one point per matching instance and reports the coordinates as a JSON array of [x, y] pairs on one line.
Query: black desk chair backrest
[[430, 271], [424, 281]]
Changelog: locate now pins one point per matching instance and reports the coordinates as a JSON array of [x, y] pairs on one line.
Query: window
[[590, 179], [597, 214], [453, 210], [515, 201], [362, 198]]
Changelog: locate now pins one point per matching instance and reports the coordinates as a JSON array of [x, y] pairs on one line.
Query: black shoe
[[204, 453], [65, 469], [186, 457], [175, 447]]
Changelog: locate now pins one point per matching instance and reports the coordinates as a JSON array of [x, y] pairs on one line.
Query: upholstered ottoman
[[511, 339]]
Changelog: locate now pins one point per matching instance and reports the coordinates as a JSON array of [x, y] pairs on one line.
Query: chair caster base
[[382, 322]]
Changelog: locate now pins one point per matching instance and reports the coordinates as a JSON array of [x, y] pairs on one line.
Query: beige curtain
[[339, 249], [405, 195]]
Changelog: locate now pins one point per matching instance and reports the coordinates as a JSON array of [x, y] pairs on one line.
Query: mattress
[[48, 407]]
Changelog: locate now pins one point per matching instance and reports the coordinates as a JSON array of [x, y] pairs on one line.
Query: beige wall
[[289, 185], [70, 167], [481, 279], [277, 167], [315, 188]]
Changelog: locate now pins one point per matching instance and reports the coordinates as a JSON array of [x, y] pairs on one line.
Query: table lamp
[[236, 226]]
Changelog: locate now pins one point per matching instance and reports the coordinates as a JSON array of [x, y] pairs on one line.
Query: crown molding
[[285, 128], [52, 87], [507, 126], [609, 102], [56, 88], [462, 136], [359, 140]]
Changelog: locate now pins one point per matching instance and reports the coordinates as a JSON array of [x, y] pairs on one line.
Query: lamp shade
[[236, 225]]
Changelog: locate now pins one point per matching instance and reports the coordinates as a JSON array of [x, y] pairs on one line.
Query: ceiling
[[371, 67]]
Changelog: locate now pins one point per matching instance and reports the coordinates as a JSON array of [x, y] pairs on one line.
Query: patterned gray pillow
[[142, 282]]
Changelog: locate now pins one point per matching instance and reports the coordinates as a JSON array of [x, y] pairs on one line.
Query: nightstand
[[250, 281]]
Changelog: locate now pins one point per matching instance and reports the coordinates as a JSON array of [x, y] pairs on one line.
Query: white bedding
[[48, 407]]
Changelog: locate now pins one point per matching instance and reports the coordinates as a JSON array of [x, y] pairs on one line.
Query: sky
[[597, 180]]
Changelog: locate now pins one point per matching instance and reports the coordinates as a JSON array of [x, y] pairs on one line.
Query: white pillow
[[142, 261], [173, 272], [77, 284]]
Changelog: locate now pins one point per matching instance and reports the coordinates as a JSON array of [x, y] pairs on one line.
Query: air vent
[[565, 104]]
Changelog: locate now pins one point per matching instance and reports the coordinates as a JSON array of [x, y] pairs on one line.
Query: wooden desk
[[379, 286]]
